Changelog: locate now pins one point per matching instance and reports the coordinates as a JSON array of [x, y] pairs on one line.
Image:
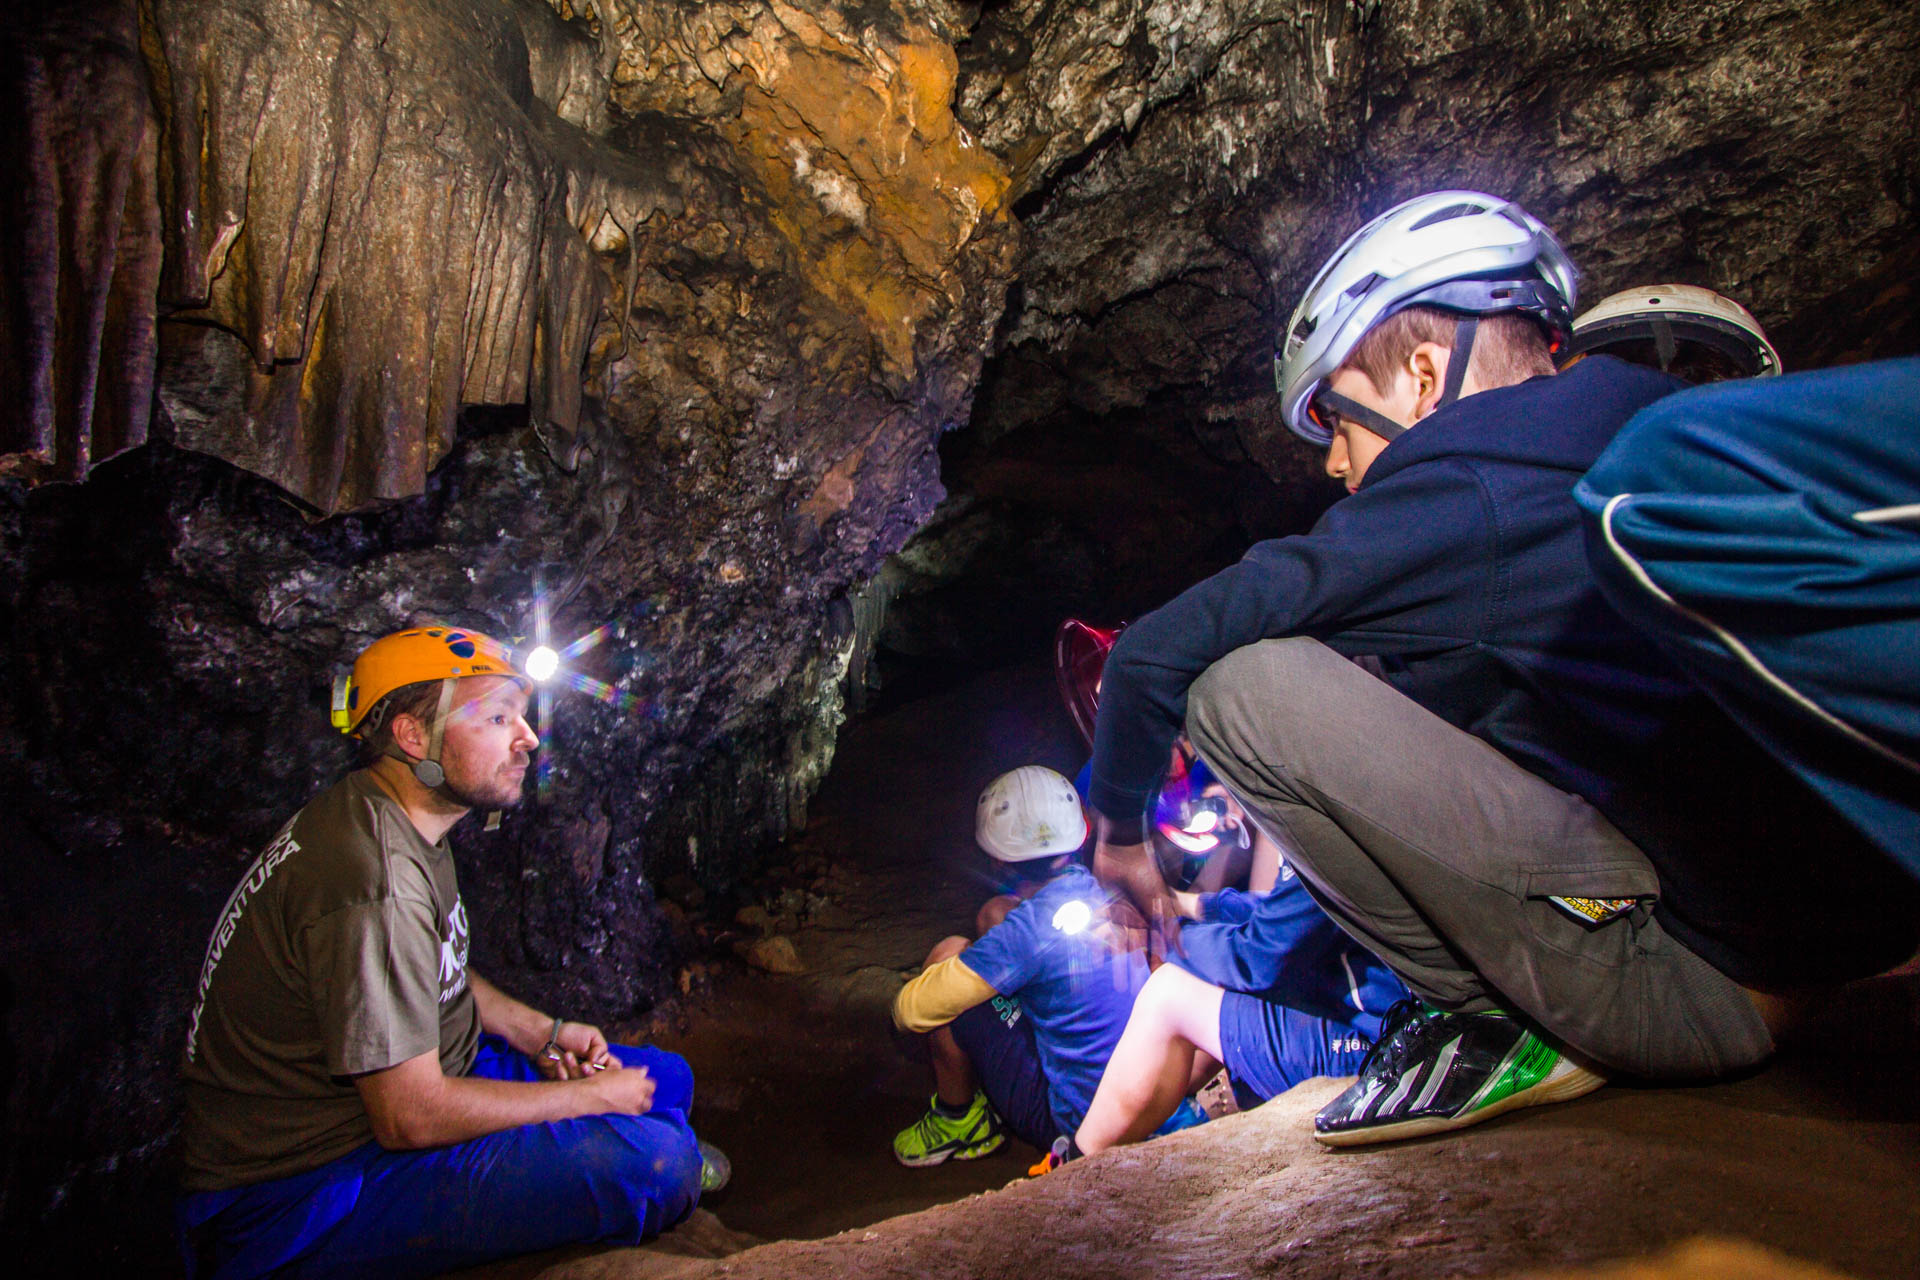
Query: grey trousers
[[1439, 855]]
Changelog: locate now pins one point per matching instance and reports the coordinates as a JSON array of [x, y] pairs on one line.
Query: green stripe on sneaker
[[1527, 1064]]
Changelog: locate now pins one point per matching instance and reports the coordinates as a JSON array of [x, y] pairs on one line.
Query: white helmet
[[1461, 251], [1666, 315], [1031, 812]]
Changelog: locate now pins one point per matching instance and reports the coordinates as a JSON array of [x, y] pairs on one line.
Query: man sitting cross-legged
[[358, 1100]]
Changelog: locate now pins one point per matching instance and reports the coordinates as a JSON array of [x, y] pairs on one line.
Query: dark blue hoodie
[[1460, 563]]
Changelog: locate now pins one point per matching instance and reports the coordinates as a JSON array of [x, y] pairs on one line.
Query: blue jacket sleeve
[[1384, 572], [1278, 949], [1228, 906]]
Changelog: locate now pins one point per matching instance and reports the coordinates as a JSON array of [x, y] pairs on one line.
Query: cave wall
[[1181, 171], [317, 319]]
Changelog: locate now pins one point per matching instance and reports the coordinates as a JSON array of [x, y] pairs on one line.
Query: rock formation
[[317, 319]]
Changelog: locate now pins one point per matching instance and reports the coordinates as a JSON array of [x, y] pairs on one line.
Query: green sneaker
[[935, 1139], [1433, 1071], [715, 1169]]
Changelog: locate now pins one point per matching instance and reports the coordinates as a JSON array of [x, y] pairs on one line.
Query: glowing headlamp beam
[[542, 663], [1073, 917]]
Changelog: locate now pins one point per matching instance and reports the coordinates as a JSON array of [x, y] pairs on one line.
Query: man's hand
[[626, 1090], [413, 1104], [579, 1050]]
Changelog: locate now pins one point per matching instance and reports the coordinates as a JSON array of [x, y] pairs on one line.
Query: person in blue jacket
[[1021, 1021], [1766, 536], [1264, 984], [1575, 860]]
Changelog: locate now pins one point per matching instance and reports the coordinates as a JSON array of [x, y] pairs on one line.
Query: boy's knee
[[946, 949], [992, 912], [1163, 994], [1288, 690], [1251, 674], [1175, 1003]]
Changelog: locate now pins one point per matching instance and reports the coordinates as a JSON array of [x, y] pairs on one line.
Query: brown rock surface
[[1620, 1175], [775, 955]]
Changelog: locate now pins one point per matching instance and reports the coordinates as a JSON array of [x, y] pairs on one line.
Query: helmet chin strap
[[428, 771], [1458, 360], [1386, 428]]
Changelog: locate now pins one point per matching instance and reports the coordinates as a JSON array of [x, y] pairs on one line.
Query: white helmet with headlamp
[[1660, 320], [1028, 813], [1461, 251]]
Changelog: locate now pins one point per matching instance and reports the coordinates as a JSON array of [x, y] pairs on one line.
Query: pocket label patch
[[1595, 910]]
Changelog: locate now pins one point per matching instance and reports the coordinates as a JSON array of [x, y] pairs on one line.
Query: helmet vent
[[1443, 215], [1362, 287]]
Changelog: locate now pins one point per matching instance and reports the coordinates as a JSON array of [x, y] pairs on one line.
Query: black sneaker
[[1433, 1071]]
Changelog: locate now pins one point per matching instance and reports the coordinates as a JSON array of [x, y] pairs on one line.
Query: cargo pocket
[[1592, 911]]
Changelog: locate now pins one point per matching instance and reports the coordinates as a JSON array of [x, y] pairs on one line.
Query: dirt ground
[[1807, 1169]]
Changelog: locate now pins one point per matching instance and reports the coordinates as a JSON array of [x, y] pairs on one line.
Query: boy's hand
[[1130, 868], [1124, 929]]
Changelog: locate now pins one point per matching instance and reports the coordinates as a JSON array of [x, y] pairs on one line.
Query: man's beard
[[500, 795]]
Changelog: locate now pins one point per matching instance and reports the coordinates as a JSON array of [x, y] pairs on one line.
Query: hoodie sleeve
[[1273, 950], [1385, 571]]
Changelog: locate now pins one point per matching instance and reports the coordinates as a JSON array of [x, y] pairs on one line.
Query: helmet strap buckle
[[341, 712], [428, 772]]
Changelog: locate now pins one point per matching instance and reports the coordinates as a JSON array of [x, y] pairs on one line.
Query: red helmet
[[1079, 656]]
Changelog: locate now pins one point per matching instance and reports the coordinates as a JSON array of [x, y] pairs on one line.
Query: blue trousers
[[1269, 1048], [615, 1178]]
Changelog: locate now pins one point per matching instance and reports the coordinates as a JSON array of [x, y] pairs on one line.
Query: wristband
[[551, 1049]]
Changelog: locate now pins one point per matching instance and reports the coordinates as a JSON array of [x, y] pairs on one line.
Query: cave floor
[[1810, 1168]]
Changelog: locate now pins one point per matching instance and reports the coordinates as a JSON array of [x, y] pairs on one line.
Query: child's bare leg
[[1175, 1024], [953, 1078]]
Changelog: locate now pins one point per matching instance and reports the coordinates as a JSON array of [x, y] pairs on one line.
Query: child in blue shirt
[[1021, 1022]]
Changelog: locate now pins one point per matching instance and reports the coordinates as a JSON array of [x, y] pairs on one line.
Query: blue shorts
[[1269, 1048], [997, 1038], [416, 1213]]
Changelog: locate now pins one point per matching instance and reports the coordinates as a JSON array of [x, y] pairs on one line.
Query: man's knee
[[946, 949], [649, 1161], [672, 1075], [1253, 691]]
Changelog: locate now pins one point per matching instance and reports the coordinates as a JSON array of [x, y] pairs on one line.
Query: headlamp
[[541, 663], [1073, 917]]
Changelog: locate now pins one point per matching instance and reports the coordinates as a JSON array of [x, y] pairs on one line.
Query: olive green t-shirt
[[342, 951]]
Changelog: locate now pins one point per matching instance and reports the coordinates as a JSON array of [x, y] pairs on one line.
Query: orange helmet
[[411, 657]]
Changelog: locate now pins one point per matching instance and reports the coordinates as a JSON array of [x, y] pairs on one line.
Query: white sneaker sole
[[974, 1152]]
